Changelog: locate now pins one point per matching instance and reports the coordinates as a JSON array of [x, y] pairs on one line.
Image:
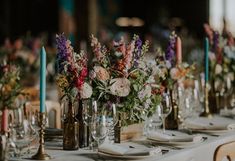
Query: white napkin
[[125, 150], [174, 137], [227, 112], [216, 123]]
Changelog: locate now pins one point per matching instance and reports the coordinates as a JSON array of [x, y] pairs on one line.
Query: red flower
[[79, 83], [84, 72]]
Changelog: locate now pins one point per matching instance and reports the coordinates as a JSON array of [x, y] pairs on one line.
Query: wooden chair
[[51, 106], [32, 93], [225, 150]]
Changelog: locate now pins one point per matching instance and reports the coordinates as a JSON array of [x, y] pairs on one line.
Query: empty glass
[[164, 109], [112, 120], [99, 127]]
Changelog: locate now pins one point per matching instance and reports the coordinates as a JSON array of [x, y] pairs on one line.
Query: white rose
[[231, 76], [218, 69], [212, 56], [86, 91], [120, 87]]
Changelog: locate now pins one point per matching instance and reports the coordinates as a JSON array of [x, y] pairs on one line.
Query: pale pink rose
[[92, 74], [86, 91], [212, 56], [218, 69], [101, 73], [174, 73], [120, 87]]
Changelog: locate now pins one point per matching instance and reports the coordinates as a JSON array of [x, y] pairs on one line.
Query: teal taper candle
[[206, 52], [42, 79]]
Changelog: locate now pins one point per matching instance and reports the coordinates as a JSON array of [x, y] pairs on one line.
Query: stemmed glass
[[164, 109], [20, 133], [112, 120], [86, 117], [99, 127], [227, 91], [153, 123]]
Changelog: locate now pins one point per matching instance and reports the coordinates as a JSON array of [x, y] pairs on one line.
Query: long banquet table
[[202, 152]]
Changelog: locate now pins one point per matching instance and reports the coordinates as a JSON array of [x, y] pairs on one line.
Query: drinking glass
[[226, 91], [164, 109], [112, 120], [99, 127], [20, 133], [153, 123]]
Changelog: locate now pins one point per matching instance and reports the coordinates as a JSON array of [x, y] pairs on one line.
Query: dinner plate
[[129, 157], [177, 143], [212, 132]]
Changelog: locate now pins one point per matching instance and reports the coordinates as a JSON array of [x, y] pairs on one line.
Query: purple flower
[[215, 40], [62, 54], [170, 51], [138, 49]]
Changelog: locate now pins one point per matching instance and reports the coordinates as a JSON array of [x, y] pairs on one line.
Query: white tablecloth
[[202, 152]]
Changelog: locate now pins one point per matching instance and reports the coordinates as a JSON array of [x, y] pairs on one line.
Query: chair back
[[51, 106], [225, 150]]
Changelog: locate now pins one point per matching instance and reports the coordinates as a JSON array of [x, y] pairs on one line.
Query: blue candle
[[42, 79], [206, 52]]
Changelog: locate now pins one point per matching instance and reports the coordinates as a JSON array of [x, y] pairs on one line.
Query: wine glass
[[99, 127], [226, 91], [164, 109], [20, 133], [112, 120], [153, 123]]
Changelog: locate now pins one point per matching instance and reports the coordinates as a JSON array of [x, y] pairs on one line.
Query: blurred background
[[29, 24], [152, 19]]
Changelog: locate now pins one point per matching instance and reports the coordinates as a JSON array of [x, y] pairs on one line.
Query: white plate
[[212, 132], [177, 143], [130, 157]]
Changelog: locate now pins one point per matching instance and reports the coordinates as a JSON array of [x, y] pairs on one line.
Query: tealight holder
[[41, 153], [206, 112]]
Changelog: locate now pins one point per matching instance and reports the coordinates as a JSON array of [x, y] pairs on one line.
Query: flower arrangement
[[10, 87], [222, 57], [72, 71], [120, 75], [25, 56], [167, 71]]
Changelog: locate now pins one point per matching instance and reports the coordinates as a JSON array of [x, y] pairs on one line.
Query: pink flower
[[96, 47], [101, 73], [92, 74], [85, 91], [120, 87], [175, 73]]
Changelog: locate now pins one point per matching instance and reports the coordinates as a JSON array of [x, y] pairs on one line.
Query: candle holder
[[41, 154], [206, 112]]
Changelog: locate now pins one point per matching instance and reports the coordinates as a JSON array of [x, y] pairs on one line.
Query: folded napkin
[[216, 123], [174, 137], [227, 112], [125, 150]]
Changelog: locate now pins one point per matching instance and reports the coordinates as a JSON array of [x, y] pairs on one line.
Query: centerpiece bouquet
[[222, 58], [168, 71], [24, 56], [10, 87], [72, 71], [71, 79], [120, 75], [222, 65]]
